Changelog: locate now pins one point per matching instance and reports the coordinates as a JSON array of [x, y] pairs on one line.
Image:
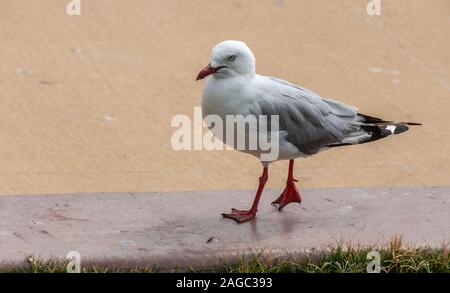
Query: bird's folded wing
[[310, 121]]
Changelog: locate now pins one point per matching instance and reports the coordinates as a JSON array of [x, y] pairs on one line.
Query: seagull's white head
[[229, 59]]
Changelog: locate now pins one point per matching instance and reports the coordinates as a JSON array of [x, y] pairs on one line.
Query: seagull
[[307, 122]]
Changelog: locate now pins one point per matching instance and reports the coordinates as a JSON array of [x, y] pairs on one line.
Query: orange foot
[[240, 216], [290, 194]]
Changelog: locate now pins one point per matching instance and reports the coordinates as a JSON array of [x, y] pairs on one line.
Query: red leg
[[241, 216], [290, 193]]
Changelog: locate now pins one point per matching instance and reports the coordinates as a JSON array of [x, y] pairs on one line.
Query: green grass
[[350, 261], [394, 259]]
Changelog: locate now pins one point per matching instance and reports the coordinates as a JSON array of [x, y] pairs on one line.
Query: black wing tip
[[400, 129], [375, 120]]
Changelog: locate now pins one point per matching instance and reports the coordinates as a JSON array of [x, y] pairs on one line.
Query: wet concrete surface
[[185, 228]]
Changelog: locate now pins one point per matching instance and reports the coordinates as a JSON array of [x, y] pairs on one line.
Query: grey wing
[[310, 121]]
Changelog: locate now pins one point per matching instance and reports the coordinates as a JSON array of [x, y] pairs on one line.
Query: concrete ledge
[[186, 229]]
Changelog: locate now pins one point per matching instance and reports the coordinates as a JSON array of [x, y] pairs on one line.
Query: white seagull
[[308, 123]]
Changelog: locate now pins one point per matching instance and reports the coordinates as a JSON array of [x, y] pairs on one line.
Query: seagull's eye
[[231, 58]]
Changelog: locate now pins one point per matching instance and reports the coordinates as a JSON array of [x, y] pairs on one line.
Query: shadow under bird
[[307, 123]]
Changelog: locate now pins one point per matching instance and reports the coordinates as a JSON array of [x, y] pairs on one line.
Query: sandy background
[[86, 101]]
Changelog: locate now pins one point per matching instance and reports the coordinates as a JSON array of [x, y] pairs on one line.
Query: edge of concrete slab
[[184, 229]]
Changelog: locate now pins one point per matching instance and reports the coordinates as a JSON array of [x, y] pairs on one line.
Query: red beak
[[208, 70]]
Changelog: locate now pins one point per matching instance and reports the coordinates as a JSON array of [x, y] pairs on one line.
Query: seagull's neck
[[241, 78]]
